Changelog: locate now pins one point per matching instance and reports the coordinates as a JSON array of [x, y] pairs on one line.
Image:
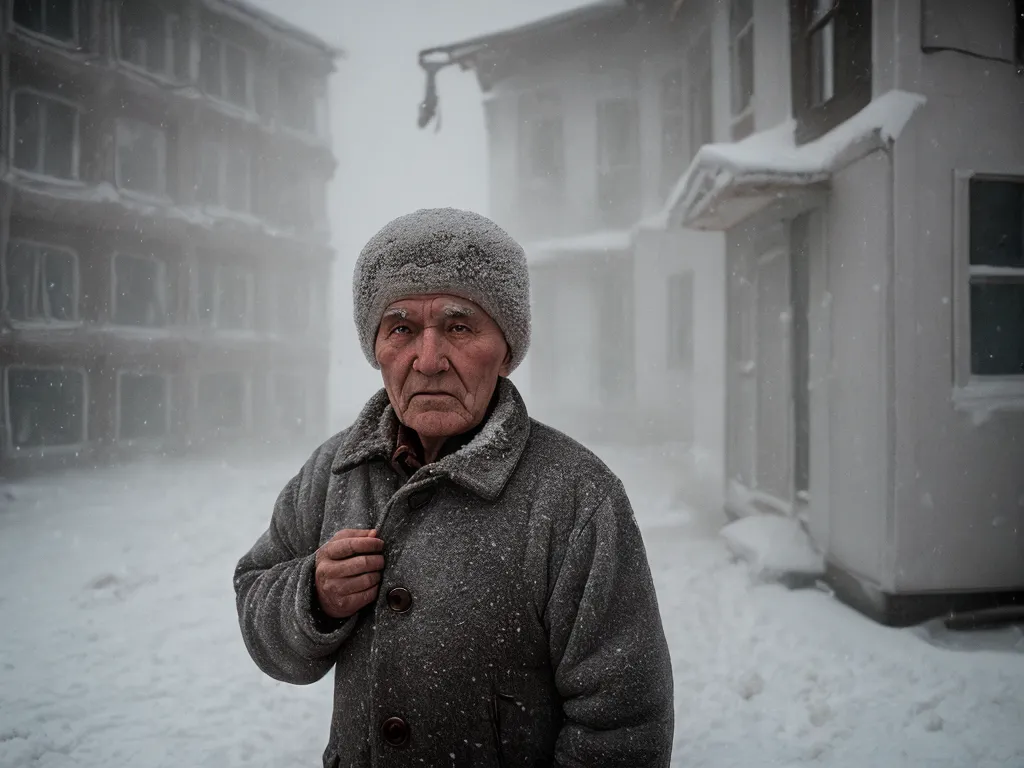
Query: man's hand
[[348, 572]]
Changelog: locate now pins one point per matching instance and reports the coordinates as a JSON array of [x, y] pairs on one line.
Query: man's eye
[[401, 329], [460, 328]]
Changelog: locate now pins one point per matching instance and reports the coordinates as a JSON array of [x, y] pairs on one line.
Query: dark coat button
[[420, 498], [400, 599], [395, 732]]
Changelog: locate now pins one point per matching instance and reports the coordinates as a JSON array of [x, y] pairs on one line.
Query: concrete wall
[[959, 484]]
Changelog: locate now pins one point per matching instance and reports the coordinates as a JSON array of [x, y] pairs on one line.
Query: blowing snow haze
[[776, 263]]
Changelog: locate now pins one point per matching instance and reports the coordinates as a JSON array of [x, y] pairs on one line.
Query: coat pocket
[[526, 716]]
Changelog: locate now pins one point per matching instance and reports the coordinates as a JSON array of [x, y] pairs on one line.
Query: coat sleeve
[[608, 646], [283, 629]]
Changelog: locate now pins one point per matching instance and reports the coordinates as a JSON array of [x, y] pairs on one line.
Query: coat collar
[[483, 466]]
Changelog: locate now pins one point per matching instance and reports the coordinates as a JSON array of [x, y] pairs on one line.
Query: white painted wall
[[959, 484]]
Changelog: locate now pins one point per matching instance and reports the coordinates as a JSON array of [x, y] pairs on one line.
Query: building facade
[[592, 116], [163, 229], [872, 207]]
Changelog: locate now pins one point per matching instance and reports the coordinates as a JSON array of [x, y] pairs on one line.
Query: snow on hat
[[444, 250]]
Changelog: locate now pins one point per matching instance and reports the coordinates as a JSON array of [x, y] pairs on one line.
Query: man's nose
[[431, 353]]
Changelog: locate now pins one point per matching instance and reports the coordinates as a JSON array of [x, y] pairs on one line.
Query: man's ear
[[506, 363]]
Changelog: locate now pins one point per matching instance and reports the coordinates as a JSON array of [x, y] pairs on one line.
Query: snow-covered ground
[[119, 645]]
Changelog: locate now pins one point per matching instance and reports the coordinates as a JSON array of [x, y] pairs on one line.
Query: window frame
[[5, 285], [852, 66], [249, 276], [168, 73], [76, 149], [168, 421], [74, 44], [161, 284], [970, 390], [220, 206], [741, 122], [534, 107], [607, 210], [250, 91], [674, 115], [38, 451], [164, 194], [272, 389], [700, 69], [247, 403]]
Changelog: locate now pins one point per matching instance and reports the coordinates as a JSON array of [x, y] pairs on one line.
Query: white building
[[874, 222], [862, 200], [592, 117]]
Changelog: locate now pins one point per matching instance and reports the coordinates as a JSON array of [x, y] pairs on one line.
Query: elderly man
[[476, 579]]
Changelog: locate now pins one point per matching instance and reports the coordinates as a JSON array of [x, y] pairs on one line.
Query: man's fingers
[[345, 586], [351, 566], [342, 548], [349, 605]]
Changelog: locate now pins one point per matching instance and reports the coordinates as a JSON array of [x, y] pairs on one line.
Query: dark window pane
[[29, 14], [59, 19], [236, 178], [28, 137], [21, 272], [206, 292], [141, 157], [59, 286], [209, 66], [222, 400], [60, 139], [743, 72], [997, 223], [142, 406], [233, 307], [181, 55], [235, 74], [208, 183], [293, 303], [997, 327], [140, 293], [46, 407], [297, 105]]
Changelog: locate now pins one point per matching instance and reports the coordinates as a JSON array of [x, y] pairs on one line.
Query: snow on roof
[[602, 241], [586, 12], [271, 24], [746, 168]]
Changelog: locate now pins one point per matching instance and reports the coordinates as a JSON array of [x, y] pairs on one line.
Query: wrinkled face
[[440, 357]]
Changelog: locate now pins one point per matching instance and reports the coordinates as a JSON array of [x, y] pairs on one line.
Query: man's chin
[[436, 423]]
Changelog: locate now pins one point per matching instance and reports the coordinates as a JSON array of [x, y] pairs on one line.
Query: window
[[141, 157], [680, 321], [996, 295], [541, 142], [294, 302], [152, 39], [45, 407], [674, 120], [224, 70], [142, 407], [289, 404], [699, 94], [225, 297], [301, 101], [299, 198], [618, 160], [45, 135], [234, 298], [225, 176], [741, 56], [830, 46], [139, 291], [56, 19], [223, 401], [40, 282]]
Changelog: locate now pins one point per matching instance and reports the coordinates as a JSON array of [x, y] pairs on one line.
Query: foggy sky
[[387, 166]]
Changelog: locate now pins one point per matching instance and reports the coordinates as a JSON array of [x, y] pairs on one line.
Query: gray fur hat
[[444, 250]]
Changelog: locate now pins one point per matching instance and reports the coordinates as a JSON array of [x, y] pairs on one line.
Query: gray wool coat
[[533, 637]]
